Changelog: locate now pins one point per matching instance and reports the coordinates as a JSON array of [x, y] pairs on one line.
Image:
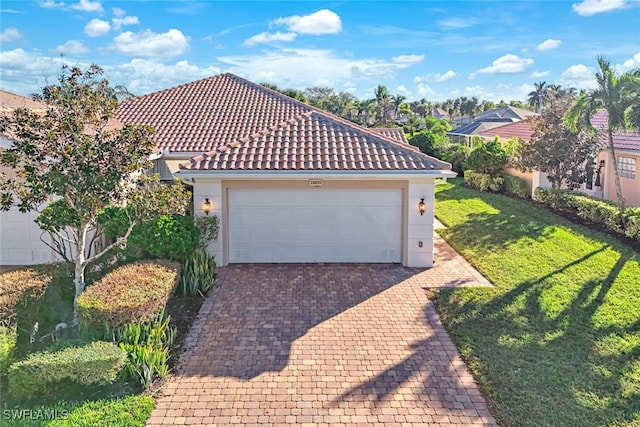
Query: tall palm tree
[[396, 102], [618, 95], [537, 96]]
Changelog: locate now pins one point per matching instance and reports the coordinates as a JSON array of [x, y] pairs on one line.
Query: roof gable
[[520, 129]]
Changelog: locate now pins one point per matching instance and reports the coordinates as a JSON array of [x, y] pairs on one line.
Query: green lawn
[[556, 342]]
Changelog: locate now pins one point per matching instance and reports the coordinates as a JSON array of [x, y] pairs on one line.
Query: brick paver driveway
[[324, 345]]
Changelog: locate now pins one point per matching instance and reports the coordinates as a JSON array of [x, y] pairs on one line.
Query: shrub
[[487, 157], [147, 345], [514, 185], [97, 363], [425, 142], [456, 154], [594, 210], [15, 287], [131, 293], [208, 226], [172, 237], [8, 338], [197, 274], [482, 181], [130, 411]]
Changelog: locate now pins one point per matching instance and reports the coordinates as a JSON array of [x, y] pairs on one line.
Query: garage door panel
[[315, 225]]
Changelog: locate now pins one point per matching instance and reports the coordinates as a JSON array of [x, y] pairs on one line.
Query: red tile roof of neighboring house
[[315, 141], [245, 126], [621, 140], [397, 134], [518, 129], [439, 113]]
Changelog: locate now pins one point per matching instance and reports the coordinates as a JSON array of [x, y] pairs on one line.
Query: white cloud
[[72, 47], [121, 21], [10, 34], [539, 74], [302, 68], [549, 44], [25, 73], [592, 7], [118, 12], [579, 76], [266, 37], [321, 22], [507, 64], [88, 6], [629, 64], [97, 27], [457, 23], [402, 89], [436, 77], [51, 4], [407, 59], [149, 44], [141, 76], [425, 90]]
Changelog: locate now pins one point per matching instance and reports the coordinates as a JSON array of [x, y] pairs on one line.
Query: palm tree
[[537, 96], [383, 103], [618, 96], [396, 101]]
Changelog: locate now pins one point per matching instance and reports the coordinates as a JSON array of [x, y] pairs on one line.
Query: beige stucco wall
[[630, 186], [416, 228]]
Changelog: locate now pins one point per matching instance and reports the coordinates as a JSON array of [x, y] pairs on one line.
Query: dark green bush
[[172, 237], [456, 154], [483, 181], [97, 363], [197, 274], [15, 287], [592, 209], [425, 142], [8, 338], [514, 185], [131, 293], [488, 158]]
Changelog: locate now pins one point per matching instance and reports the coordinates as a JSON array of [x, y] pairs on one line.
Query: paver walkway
[[325, 344]]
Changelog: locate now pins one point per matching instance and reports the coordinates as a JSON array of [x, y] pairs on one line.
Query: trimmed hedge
[[514, 185], [483, 181], [131, 293], [15, 287], [97, 363], [592, 209], [172, 237]]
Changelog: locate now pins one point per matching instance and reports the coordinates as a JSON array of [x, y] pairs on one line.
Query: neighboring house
[[20, 242], [289, 182], [439, 114], [486, 121], [627, 147], [600, 183]]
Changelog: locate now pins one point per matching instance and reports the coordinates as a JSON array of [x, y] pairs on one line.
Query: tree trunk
[[80, 263], [616, 175]]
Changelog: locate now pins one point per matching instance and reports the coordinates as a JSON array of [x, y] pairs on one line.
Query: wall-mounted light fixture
[[206, 206], [602, 163], [422, 207]]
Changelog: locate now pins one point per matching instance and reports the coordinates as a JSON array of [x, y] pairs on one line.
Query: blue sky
[[422, 49]]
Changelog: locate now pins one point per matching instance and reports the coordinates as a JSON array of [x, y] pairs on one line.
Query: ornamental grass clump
[[198, 274], [131, 293]]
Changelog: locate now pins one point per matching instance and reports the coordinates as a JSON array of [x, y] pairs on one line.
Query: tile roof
[[315, 141], [475, 128], [520, 129], [199, 116], [621, 140], [506, 113], [397, 134], [241, 125], [10, 101]]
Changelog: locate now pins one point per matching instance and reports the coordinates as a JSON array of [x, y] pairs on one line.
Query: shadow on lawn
[[554, 369]]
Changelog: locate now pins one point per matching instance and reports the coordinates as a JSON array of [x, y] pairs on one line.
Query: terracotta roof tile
[[241, 125], [518, 129], [621, 140], [314, 141], [397, 134]]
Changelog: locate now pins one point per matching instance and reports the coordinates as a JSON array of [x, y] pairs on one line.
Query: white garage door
[[315, 225], [20, 239]]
